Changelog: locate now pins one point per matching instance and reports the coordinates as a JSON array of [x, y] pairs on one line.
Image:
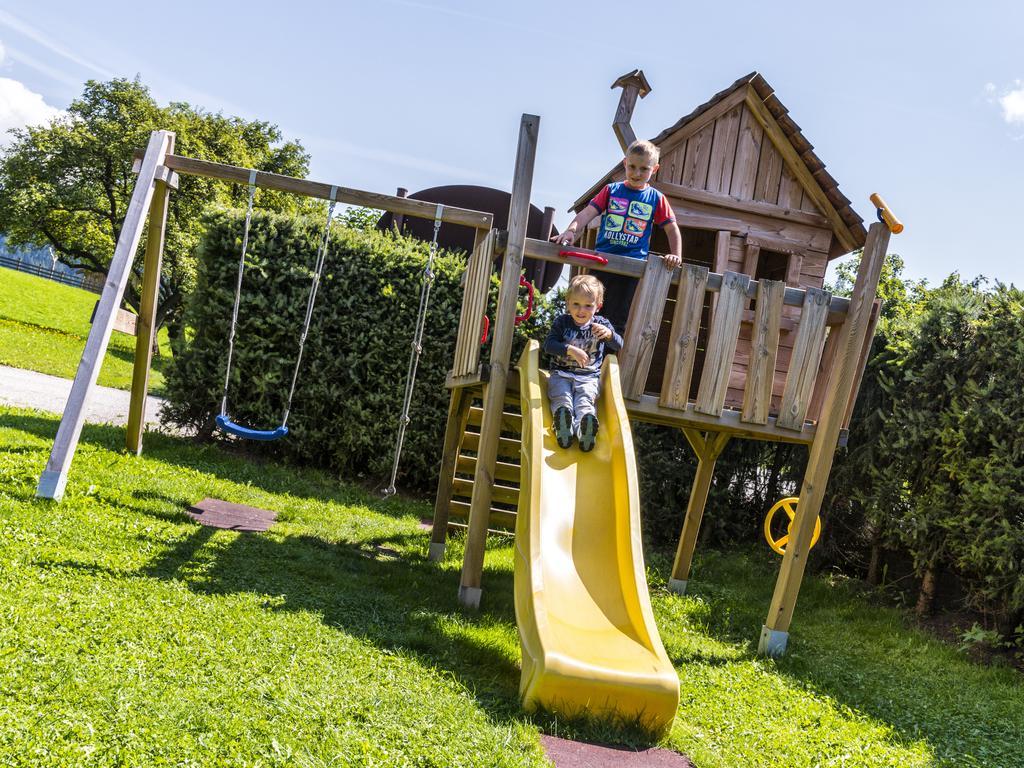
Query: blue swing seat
[[227, 425]]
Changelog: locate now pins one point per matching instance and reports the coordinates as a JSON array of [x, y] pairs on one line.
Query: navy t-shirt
[[564, 332]]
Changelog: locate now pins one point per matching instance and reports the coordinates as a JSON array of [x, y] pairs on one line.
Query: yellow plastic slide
[[590, 645]]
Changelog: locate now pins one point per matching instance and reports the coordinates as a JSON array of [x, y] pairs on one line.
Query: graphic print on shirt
[[635, 226], [618, 205], [639, 210], [613, 223], [626, 220], [583, 339]]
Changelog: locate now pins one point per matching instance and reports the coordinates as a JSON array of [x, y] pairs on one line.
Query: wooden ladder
[[458, 470]]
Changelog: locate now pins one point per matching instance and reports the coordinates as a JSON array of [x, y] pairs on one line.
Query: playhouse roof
[[781, 129]]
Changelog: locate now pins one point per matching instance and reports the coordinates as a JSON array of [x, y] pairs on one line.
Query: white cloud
[[1012, 103], [20, 107], [3, 53]]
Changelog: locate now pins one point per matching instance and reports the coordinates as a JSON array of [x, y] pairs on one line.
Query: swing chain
[[414, 358], [318, 271]]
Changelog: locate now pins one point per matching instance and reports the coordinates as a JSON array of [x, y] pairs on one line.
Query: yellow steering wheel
[[789, 505]]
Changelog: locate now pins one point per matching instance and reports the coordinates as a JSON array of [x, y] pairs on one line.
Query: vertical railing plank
[[682, 346], [474, 305], [764, 349], [803, 365], [721, 346], [642, 328]]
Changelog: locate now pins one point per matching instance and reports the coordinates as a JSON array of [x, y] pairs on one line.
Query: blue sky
[[922, 102]]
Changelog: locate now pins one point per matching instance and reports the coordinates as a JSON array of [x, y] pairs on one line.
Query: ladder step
[[511, 423], [499, 493], [507, 447], [500, 518], [503, 470]]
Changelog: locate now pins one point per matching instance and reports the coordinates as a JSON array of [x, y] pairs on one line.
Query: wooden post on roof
[[501, 353], [633, 84], [775, 632], [397, 219], [55, 476], [145, 328], [708, 447]]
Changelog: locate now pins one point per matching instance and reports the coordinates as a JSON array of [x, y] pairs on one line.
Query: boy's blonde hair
[[646, 148], [588, 286]]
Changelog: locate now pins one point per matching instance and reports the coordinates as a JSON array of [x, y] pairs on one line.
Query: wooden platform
[[217, 513]]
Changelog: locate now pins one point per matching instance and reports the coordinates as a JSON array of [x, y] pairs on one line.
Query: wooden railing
[[726, 373], [780, 399], [474, 306]]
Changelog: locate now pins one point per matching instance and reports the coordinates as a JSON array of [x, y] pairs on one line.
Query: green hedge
[[352, 381]]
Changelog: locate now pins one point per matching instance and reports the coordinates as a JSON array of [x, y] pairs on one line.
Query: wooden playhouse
[[742, 341]]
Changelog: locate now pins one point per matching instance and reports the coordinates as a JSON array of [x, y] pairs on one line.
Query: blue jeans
[[576, 392]]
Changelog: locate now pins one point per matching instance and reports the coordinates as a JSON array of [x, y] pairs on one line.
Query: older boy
[[577, 342], [629, 209]]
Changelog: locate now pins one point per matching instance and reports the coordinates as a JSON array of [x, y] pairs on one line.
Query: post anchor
[[773, 642]]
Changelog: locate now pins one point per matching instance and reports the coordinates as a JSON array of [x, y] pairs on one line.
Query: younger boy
[[628, 210], [578, 341]]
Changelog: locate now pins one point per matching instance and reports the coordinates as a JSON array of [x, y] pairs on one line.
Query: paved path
[[106, 405]]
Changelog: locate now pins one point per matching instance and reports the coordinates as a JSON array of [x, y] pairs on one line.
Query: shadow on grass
[[218, 460], [867, 657], [374, 589]]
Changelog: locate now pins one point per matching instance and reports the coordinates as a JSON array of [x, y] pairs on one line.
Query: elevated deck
[[723, 368]]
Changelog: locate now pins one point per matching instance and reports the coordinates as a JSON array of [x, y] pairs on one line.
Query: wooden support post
[[458, 413], [55, 477], [775, 633], [145, 333], [501, 353], [708, 447]]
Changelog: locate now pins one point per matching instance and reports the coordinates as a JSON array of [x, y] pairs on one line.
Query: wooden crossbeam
[[190, 166]]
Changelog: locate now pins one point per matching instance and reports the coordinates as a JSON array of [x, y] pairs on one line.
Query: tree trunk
[[875, 563], [926, 596]]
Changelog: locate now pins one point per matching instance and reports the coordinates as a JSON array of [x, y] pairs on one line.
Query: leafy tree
[[67, 184]]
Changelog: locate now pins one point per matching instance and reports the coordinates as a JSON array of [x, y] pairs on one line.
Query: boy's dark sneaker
[[588, 432], [563, 427]]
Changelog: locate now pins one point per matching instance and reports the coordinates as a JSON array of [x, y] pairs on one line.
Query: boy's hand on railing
[[565, 238], [577, 354], [672, 260]]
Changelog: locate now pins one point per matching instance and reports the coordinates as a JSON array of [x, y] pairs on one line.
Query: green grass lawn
[[43, 327], [129, 635]]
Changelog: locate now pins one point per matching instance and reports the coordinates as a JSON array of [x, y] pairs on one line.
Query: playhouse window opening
[[772, 265]]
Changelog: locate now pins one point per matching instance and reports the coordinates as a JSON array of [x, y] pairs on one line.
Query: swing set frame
[[159, 170]]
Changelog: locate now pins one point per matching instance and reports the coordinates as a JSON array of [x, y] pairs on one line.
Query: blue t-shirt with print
[[628, 216]]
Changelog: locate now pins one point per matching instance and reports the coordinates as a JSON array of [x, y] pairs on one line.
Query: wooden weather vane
[[633, 84]]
